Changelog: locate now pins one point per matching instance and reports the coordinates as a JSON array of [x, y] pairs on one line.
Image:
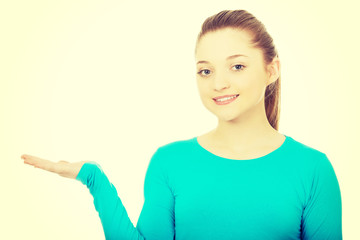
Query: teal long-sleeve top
[[193, 194]]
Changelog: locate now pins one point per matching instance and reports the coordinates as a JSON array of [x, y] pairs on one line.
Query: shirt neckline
[[274, 152]]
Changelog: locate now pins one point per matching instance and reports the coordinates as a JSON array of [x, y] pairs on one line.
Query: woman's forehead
[[223, 43]]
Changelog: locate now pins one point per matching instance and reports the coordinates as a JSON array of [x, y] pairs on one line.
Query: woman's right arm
[[112, 213], [156, 220]]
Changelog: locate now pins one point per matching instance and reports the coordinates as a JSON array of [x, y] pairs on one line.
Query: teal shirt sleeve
[[156, 220], [322, 215]]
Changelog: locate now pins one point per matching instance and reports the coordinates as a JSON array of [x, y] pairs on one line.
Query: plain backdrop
[[111, 81]]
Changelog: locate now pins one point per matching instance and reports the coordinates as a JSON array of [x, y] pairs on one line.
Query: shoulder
[[311, 165], [175, 153], [176, 148], [303, 149], [306, 154]]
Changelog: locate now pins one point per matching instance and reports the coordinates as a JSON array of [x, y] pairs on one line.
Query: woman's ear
[[274, 70]]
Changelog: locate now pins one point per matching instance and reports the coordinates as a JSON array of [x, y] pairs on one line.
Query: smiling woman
[[241, 180], [223, 73]]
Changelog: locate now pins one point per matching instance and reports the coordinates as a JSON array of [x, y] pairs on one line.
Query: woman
[[243, 179]]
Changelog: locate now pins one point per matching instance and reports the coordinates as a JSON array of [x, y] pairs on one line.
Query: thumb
[[62, 161]]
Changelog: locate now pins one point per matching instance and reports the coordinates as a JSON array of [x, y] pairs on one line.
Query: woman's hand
[[63, 168]]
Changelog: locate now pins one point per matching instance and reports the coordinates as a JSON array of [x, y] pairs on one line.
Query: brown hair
[[243, 20]]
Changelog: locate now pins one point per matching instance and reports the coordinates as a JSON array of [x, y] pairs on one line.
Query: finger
[[40, 163]]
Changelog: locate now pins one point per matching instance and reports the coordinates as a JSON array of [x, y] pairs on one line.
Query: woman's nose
[[221, 83]]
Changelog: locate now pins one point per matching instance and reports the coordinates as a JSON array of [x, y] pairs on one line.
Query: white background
[[110, 81]]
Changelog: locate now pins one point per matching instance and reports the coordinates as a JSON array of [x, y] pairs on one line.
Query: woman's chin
[[226, 117]]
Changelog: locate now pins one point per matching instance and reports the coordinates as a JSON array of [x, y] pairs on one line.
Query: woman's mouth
[[222, 100]]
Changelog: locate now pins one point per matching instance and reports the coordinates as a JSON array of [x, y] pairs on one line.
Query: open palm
[[63, 168]]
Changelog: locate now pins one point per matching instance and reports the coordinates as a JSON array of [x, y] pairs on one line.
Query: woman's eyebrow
[[228, 58]]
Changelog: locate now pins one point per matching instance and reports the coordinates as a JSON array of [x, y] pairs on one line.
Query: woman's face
[[230, 69]]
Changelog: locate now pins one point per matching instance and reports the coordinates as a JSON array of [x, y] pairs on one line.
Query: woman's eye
[[239, 67], [206, 71]]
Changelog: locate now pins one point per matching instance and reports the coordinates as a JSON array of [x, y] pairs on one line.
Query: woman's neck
[[243, 133]]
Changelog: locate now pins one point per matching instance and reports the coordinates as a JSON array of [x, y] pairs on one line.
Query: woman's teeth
[[225, 99]]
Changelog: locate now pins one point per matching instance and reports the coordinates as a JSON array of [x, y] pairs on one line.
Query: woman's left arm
[[322, 216]]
